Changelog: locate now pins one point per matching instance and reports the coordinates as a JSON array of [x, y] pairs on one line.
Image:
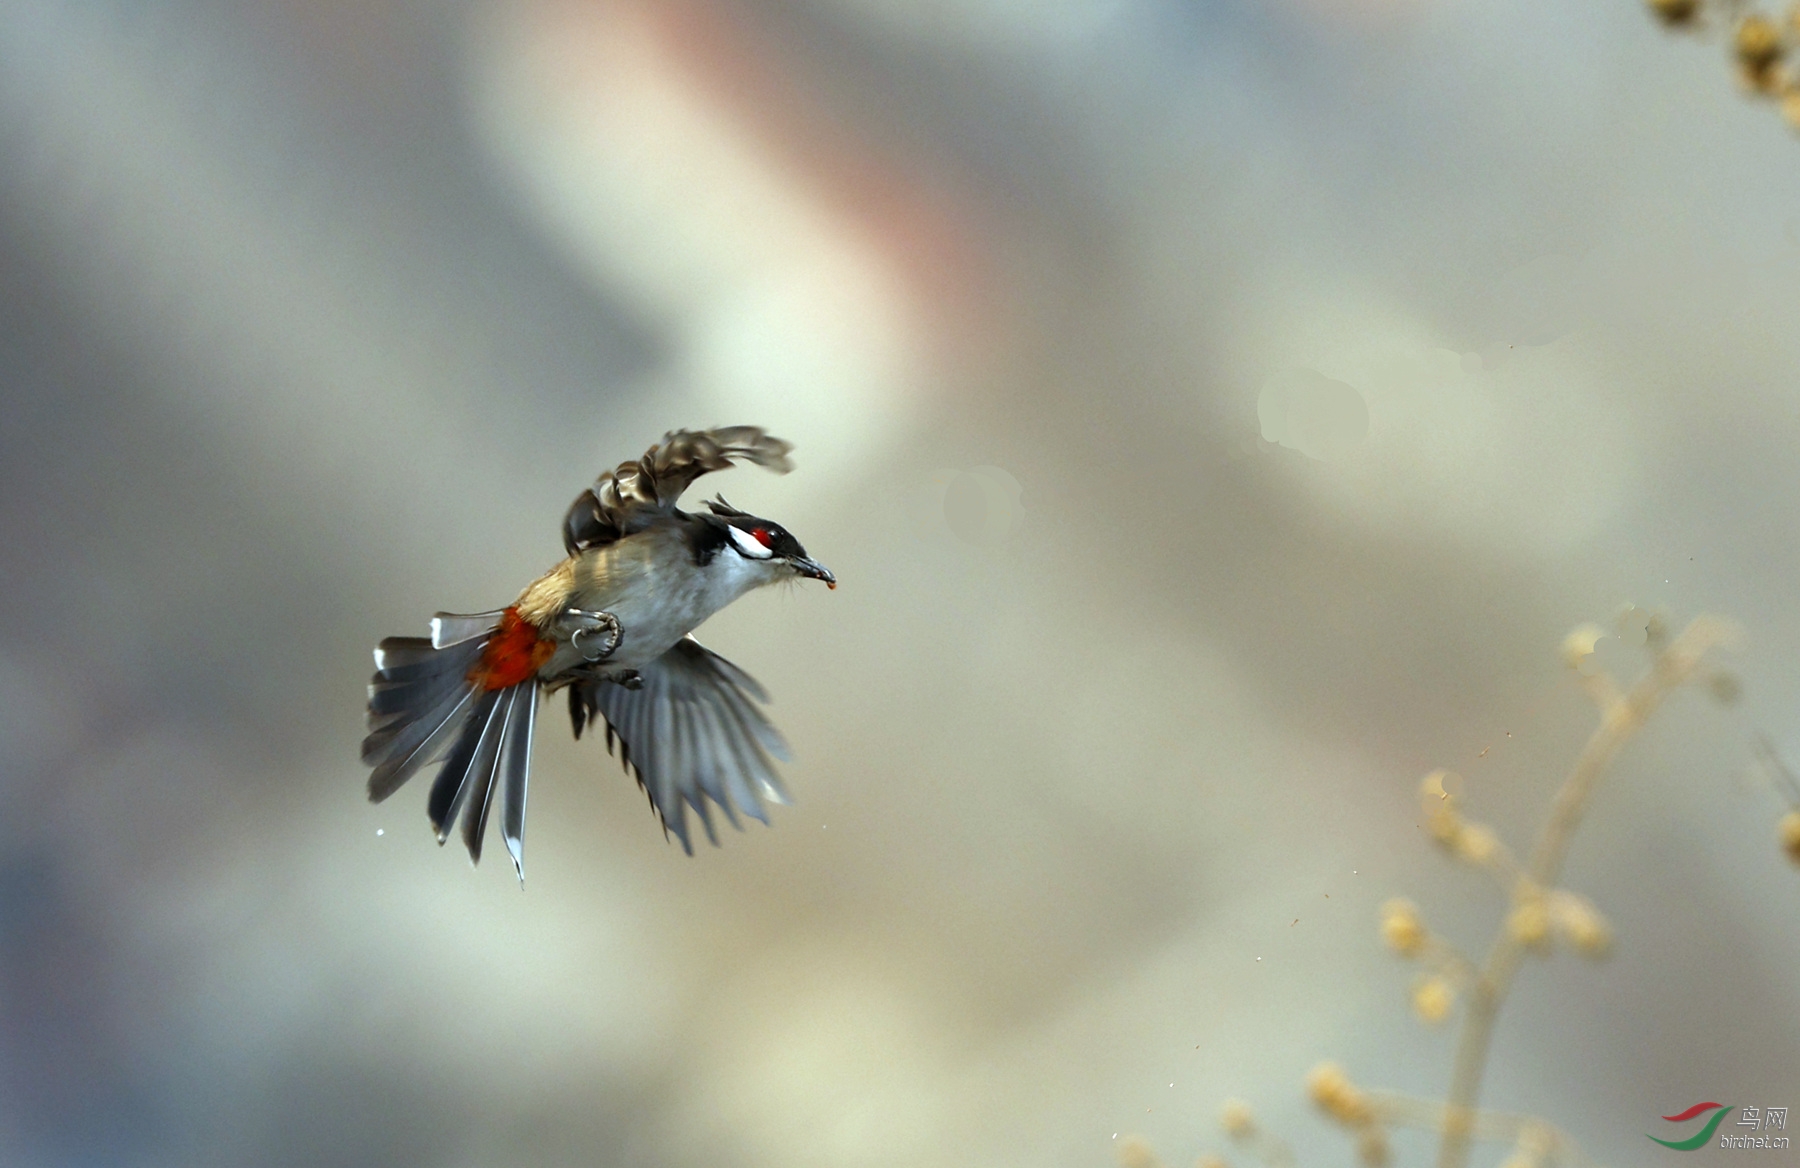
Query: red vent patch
[[514, 653]]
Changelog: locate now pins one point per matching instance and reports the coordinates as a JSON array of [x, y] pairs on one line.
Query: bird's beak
[[813, 570]]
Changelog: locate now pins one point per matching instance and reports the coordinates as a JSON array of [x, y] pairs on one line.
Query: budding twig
[[1621, 717]]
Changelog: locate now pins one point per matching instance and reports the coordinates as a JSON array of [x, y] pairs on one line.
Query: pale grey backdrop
[[317, 313]]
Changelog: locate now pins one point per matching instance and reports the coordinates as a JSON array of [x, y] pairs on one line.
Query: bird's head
[[765, 542]]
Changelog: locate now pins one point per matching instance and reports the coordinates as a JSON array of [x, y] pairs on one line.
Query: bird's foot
[[628, 678], [595, 635]]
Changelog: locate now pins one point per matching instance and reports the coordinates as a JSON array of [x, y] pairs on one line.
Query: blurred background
[[1217, 413]]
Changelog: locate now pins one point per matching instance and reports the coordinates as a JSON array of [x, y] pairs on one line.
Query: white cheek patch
[[748, 545]]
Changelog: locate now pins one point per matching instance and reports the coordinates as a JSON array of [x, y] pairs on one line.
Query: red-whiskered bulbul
[[610, 623]]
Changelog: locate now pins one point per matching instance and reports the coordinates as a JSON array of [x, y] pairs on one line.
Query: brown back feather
[[632, 495]]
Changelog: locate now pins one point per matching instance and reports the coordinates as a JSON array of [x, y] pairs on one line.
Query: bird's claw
[[590, 625], [629, 678]]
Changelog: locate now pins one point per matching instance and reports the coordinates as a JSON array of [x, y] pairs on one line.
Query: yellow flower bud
[[1790, 835], [1326, 1081], [1236, 1119], [1757, 44], [1580, 924], [1675, 12], [1529, 923], [1336, 1096], [1578, 646], [1444, 824], [1134, 1152], [1433, 998], [1440, 786], [1437, 800], [1402, 928], [1477, 844]]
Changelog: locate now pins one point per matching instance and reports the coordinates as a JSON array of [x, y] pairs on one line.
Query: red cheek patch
[[514, 653]]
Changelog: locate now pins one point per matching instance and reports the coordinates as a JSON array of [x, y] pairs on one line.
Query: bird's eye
[[751, 544]]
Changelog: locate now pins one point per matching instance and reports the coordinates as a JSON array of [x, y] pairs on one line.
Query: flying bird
[[610, 624]]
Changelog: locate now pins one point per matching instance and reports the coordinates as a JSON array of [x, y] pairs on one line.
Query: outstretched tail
[[436, 699]]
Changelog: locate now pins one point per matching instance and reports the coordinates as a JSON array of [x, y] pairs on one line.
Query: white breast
[[651, 583]]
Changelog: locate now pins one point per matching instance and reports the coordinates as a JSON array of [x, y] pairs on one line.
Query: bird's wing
[[632, 494], [692, 732]]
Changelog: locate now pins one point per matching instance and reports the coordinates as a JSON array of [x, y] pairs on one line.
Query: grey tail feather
[[489, 764], [515, 773], [418, 699], [423, 707]]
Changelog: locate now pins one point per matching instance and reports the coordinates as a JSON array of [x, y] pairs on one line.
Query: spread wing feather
[[692, 735], [631, 495]]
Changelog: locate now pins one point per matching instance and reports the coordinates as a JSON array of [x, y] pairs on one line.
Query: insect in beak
[[814, 570]]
